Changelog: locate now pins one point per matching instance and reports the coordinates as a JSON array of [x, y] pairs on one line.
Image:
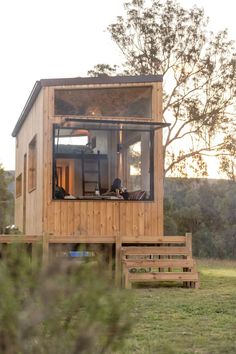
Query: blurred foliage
[[207, 208], [6, 200], [63, 308]]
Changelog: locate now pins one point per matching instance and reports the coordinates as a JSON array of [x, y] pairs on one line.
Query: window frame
[[154, 126]]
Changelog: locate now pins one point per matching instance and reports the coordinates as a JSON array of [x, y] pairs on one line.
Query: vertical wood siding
[[33, 126], [102, 219]]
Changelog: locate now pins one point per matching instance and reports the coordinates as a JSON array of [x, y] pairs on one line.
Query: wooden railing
[[20, 238]]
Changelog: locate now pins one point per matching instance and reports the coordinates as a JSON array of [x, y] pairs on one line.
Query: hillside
[[6, 198], [10, 175], [207, 208]]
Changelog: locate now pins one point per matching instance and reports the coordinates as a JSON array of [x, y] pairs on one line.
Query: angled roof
[[104, 79]]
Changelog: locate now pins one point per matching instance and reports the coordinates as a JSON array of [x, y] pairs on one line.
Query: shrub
[[63, 308]]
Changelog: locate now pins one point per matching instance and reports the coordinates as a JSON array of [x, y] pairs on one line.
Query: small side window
[[19, 185], [32, 166]]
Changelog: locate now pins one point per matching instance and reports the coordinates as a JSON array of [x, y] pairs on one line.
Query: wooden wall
[[106, 221], [33, 126]]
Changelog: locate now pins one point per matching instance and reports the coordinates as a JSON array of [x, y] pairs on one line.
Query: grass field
[[177, 320]]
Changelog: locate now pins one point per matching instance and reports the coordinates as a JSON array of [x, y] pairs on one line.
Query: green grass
[[184, 321]]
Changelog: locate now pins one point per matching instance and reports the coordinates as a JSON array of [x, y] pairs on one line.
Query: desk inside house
[[134, 195], [98, 197]]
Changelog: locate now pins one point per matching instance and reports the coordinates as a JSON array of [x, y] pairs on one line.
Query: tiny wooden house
[[74, 138], [81, 134]]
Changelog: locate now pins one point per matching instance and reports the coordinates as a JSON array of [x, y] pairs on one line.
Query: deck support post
[[45, 255], [110, 259], [118, 270], [189, 241], [36, 253], [188, 236]]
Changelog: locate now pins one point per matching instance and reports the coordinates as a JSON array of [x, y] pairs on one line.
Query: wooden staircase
[[168, 260]]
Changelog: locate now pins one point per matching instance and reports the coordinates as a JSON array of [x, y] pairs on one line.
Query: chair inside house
[[137, 195]]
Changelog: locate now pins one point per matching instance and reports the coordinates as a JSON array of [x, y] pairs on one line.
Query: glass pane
[[109, 102], [136, 150], [102, 164], [134, 166]]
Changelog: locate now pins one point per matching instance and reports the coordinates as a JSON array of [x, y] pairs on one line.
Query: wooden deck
[[9, 238], [20, 238], [169, 258]]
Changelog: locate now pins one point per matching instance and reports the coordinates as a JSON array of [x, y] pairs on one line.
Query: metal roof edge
[[29, 103], [103, 79]]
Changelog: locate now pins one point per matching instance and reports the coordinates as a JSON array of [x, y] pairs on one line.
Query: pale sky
[[63, 38]]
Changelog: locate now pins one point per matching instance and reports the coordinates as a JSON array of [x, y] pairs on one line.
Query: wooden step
[[158, 263], [154, 240], [163, 276], [189, 279], [155, 250]]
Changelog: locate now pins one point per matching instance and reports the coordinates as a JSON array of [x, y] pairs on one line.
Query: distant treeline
[[207, 208]]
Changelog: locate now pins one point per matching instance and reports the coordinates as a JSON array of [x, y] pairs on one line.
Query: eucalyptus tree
[[199, 71]]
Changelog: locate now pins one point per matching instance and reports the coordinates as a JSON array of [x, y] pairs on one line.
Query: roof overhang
[[100, 80]]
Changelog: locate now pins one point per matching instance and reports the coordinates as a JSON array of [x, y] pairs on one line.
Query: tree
[[199, 70], [207, 209], [6, 200], [228, 157]]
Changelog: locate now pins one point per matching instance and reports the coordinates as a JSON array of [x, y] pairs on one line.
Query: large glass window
[[106, 102], [103, 160]]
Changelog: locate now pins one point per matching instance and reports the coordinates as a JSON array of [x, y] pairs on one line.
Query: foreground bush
[[64, 308]]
